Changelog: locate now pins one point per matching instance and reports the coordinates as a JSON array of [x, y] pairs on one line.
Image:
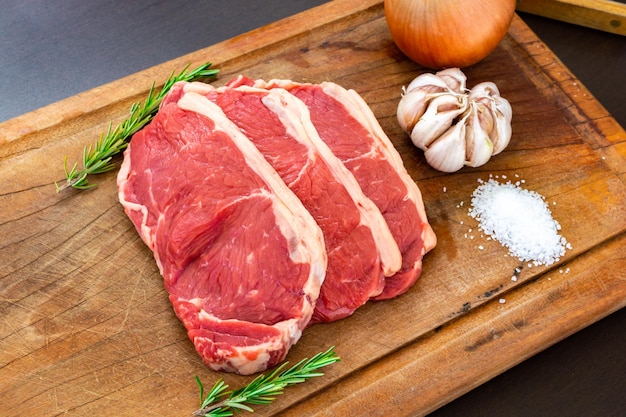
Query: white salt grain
[[520, 220]]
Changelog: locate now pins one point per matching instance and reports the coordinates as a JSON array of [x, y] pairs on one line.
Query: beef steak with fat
[[242, 259], [361, 249], [348, 126]]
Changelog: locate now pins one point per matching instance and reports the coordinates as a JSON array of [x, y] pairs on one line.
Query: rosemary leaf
[[263, 389], [97, 157]]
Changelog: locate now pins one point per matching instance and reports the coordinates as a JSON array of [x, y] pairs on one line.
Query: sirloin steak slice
[[242, 259], [360, 246], [346, 123]]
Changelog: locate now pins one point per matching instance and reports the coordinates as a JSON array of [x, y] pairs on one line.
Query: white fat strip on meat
[[302, 233], [381, 148]]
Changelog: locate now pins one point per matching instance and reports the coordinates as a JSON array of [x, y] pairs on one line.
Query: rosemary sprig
[[97, 157], [219, 402]]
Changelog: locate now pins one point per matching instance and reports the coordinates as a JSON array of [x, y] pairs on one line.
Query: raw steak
[[360, 247], [242, 259], [347, 125]]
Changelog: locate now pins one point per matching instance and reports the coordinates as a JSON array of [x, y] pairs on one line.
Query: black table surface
[[53, 50]]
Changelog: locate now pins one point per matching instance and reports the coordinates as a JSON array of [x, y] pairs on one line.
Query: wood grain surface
[[86, 325], [606, 15]]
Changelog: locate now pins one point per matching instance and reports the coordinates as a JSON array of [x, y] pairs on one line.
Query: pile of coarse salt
[[520, 220]]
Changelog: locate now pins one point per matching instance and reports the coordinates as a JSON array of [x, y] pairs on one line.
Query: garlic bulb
[[455, 126]]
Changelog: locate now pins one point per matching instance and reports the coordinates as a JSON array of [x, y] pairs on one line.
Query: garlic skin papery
[[453, 125]]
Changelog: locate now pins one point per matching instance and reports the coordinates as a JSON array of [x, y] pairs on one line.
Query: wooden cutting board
[[86, 325]]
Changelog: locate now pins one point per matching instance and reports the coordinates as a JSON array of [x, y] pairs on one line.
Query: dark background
[[50, 50]]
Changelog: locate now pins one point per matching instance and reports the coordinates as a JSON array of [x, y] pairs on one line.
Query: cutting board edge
[[485, 327], [134, 87]]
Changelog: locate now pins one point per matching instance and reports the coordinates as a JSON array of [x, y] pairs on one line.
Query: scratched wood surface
[[86, 325]]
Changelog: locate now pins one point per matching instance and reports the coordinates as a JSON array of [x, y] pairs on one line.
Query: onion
[[448, 33]]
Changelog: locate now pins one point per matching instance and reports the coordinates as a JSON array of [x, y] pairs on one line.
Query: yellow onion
[[448, 33]]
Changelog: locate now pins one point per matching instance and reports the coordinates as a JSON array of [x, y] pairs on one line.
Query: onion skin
[[448, 33]]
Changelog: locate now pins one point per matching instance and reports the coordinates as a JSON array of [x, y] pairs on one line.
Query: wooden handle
[[605, 15]]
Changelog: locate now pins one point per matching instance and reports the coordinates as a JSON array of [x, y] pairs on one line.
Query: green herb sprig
[[219, 402], [97, 157]]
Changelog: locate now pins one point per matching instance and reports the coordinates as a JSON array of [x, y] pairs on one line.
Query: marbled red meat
[[348, 126], [242, 259], [360, 247], [246, 195]]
